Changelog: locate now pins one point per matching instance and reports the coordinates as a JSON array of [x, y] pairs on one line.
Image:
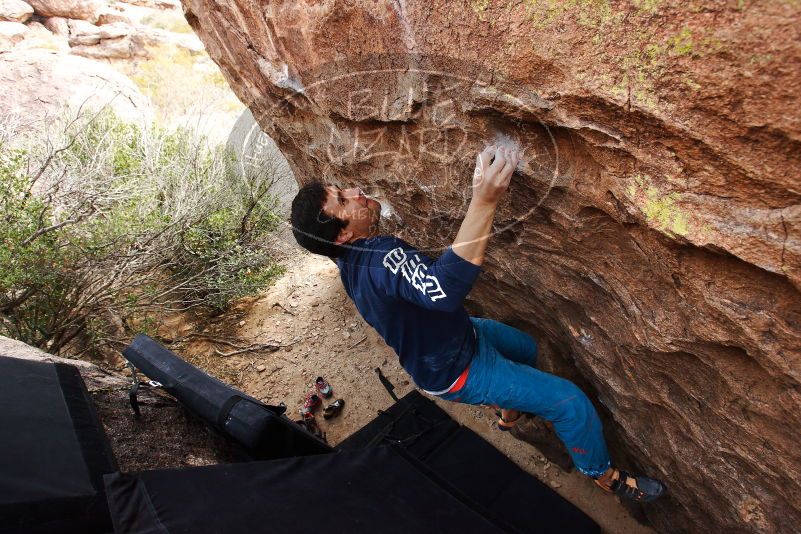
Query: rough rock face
[[57, 25], [38, 85], [110, 17], [73, 9], [92, 29], [82, 33], [652, 234], [11, 33], [15, 10]]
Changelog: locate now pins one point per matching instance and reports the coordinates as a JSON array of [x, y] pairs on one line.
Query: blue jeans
[[502, 372]]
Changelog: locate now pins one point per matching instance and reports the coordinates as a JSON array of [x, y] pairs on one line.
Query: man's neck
[[368, 235], [359, 238]]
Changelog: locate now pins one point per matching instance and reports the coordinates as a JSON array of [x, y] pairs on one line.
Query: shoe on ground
[[311, 403], [635, 488], [323, 387], [333, 409]]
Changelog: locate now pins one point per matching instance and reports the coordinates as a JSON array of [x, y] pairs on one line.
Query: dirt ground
[[319, 332]]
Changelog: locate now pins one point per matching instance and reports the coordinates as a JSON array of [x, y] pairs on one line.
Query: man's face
[[361, 213]]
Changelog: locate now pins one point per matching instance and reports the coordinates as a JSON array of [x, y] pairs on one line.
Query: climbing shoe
[[333, 409], [634, 488], [311, 403], [323, 387]]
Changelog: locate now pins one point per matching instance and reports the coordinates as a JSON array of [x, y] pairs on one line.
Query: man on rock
[[416, 304]]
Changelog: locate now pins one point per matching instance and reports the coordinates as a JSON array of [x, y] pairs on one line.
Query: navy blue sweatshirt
[[415, 304]]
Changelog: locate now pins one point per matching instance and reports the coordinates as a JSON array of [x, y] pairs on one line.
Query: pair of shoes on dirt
[[324, 388], [313, 400], [634, 488]]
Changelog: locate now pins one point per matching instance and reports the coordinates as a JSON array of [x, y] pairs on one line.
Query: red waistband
[[460, 381]]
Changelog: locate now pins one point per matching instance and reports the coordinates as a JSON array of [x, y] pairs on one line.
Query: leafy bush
[[119, 224], [30, 259]]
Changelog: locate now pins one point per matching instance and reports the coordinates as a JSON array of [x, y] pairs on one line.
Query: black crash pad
[[53, 451], [262, 430], [472, 466], [380, 489]]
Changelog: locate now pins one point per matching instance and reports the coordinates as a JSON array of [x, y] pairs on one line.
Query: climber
[[416, 304]]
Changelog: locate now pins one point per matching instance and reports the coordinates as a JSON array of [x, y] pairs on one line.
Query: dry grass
[[172, 21], [182, 86]]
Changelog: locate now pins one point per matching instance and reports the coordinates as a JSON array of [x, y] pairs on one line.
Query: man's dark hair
[[314, 230]]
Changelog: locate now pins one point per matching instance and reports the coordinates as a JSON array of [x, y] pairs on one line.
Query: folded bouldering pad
[[262, 430], [53, 451], [471, 465], [380, 489]]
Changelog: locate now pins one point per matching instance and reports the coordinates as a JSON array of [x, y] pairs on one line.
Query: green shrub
[[120, 224]]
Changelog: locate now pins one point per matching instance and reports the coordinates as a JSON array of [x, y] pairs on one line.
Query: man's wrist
[[481, 204]]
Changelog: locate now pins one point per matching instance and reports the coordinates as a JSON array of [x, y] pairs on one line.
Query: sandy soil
[[320, 333]]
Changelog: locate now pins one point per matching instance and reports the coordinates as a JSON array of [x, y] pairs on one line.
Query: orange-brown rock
[[652, 236]]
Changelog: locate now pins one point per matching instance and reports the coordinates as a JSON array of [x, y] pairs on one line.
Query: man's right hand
[[490, 180]]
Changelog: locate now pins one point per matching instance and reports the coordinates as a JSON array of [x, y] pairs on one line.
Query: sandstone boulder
[[83, 33], [168, 4], [118, 40], [158, 37], [156, 4], [72, 9], [11, 33], [652, 234], [124, 47], [94, 377], [42, 86], [57, 25], [38, 36], [37, 28], [15, 10], [115, 30], [111, 16]]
